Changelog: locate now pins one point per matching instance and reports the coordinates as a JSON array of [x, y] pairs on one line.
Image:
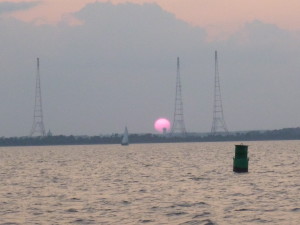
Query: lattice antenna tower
[[218, 124], [38, 124], [178, 127]]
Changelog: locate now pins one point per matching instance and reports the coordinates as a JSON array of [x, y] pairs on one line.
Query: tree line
[[281, 134]]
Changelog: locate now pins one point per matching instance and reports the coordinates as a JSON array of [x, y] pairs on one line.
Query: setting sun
[[161, 124]]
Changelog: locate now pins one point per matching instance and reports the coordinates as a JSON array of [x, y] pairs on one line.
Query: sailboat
[[125, 140]]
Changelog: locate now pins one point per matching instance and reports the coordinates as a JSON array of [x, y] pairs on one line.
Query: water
[[186, 183]]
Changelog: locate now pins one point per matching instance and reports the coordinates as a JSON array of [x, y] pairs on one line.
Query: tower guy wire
[[178, 126], [38, 124], [218, 124]]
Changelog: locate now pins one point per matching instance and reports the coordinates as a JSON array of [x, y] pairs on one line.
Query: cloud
[[8, 7]]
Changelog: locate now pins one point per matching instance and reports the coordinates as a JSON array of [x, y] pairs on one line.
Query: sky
[[220, 18], [110, 64]]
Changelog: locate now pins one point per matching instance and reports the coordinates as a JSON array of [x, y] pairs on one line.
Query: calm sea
[[186, 183]]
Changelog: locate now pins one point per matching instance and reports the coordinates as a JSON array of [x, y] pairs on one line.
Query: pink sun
[[162, 124]]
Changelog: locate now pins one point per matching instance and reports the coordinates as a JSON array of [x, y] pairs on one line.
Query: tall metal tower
[[178, 127], [38, 124], [218, 124]]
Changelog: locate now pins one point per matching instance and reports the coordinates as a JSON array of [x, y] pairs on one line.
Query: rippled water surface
[[186, 183]]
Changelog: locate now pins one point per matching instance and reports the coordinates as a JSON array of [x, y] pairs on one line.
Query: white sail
[[125, 140]]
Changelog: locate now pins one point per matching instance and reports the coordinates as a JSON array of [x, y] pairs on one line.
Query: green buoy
[[240, 161]]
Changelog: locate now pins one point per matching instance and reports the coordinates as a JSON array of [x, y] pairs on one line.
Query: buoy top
[[242, 145]]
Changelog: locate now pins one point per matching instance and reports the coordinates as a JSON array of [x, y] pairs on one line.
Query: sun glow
[[162, 124]]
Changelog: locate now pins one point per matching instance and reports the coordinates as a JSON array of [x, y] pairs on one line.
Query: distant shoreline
[[270, 135]]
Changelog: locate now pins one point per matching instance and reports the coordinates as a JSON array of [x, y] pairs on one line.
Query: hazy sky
[[218, 17], [105, 65]]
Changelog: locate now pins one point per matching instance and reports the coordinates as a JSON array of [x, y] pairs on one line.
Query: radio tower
[[178, 127], [218, 123], [38, 124]]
